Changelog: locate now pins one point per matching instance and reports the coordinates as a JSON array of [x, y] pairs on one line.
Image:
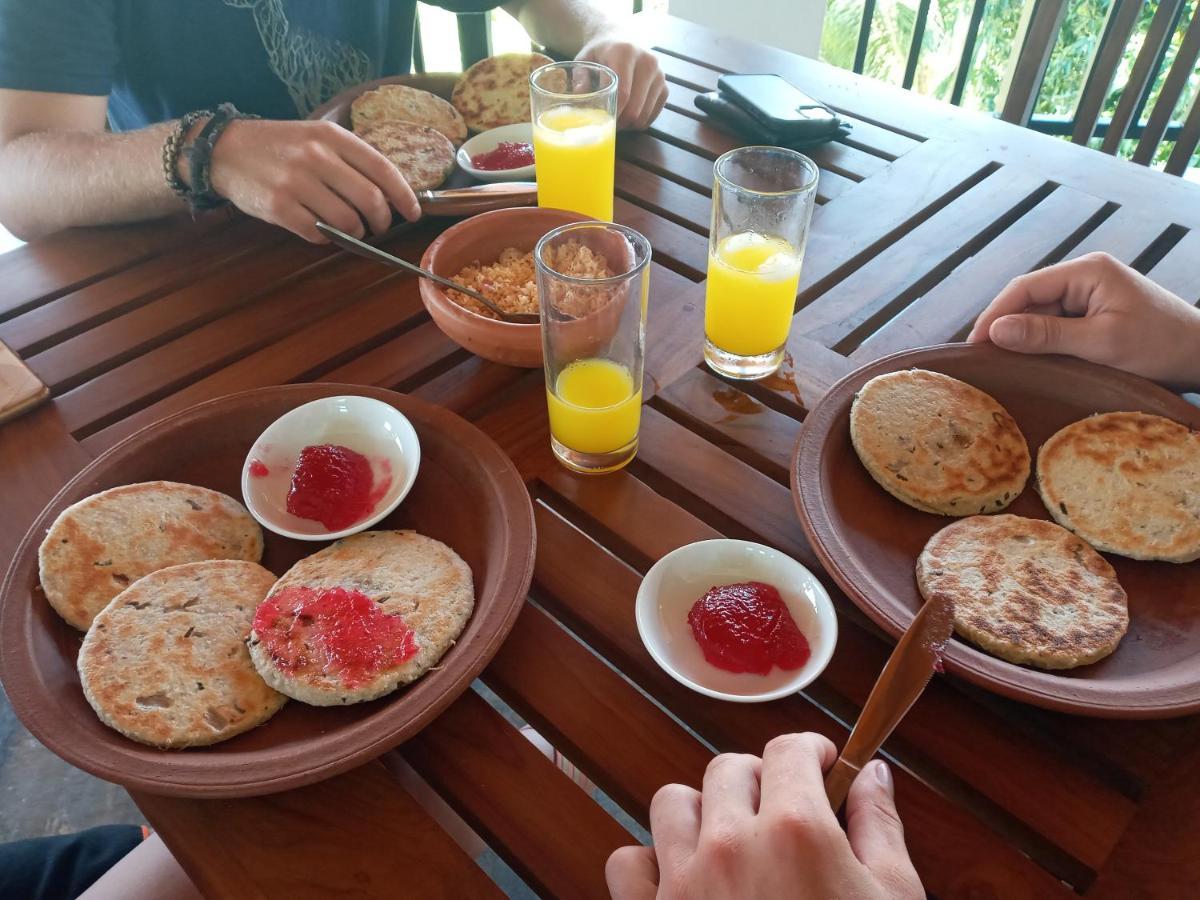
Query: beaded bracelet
[[199, 156], [171, 148]]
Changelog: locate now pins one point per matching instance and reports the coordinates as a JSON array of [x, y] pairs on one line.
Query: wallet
[[726, 113]]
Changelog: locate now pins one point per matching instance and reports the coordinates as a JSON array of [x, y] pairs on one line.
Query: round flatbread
[[165, 663], [1025, 590], [495, 91], [424, 156], [1126, 482], [938, 443], [361, 617], [99, 546], [400, 103]]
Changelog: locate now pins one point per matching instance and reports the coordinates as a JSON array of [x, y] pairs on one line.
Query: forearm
[[563, 25], [57, 179]]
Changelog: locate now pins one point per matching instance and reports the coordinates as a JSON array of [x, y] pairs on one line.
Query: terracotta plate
[[869, 541], [467, 494]]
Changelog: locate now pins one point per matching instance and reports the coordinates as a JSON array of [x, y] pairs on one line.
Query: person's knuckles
[[898, 879], [672, 795], [807, 742]]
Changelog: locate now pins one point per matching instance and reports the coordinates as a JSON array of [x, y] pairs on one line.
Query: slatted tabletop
[[926, 211]]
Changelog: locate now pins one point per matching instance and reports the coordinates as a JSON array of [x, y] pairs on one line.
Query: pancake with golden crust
[[400, 103], [165, 663], [1026, 590], [938, 444], [495, 91], [360, 618], [424, 156], [1126, 482], [99, 546]]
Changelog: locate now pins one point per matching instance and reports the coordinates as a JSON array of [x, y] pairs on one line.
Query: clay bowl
[[482, 238], [467, 493]]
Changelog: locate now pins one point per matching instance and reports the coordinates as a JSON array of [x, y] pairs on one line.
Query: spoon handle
[[354, 245]]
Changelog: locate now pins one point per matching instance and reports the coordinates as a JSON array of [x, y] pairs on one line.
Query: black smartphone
[[777, 103]]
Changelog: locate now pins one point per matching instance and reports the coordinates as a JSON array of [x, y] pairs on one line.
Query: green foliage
[[995, 48]]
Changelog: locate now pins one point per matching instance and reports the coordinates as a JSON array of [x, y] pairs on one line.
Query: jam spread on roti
[[506, 155], [747, 627], [334, 631], [334, 485], [258, 469]]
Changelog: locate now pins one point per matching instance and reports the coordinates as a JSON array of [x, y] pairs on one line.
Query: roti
[[360, 618], [424, 156], [1126, 482], [400, 103], [165, 663], [1025, 590], [104, 543], [495, 91], [938, 444]]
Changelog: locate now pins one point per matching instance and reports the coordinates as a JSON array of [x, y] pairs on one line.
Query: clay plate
[[869, 542], [467, 494]]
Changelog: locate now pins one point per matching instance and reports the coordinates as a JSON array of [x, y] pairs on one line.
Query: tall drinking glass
[[593, 279], [762, 204], [575, 136]]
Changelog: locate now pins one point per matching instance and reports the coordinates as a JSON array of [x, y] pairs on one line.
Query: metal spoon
[[354, 245]]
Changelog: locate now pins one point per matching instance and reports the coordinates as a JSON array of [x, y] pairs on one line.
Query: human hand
[[641, 85], [1098, 309], [293, 173], [762, 828]]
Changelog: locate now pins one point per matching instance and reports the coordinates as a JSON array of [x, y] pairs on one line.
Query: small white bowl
[[683, 576], [371, 427], [490, 140]]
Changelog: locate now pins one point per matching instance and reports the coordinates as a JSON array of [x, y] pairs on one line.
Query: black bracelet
[[199, 156], [171, 148]]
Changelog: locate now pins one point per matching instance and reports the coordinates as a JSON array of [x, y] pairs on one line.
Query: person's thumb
[[876, 833], [1030, 333]]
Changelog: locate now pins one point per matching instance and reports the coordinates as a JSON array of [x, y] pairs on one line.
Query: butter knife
[[467, 201], [916, 657]]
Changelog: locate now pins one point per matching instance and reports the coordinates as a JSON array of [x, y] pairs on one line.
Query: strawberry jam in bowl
[[736, 620], [499, 154], [331, 468]]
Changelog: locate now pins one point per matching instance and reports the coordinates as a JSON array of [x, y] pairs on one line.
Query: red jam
[[747, 628], [258, 469], [506, 155], [336, 631], [333, 485]]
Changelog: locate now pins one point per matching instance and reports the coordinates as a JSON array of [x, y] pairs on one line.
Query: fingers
[[675, 824], [792, 780], [876, 833], [359, 192], [380, 171], [1031, 333], [730, 793], [328, 207], [646, 83], [1069, 283], [632, 874]]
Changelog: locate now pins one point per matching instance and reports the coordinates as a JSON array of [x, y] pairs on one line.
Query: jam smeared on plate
[[333, 485], [335, 631], [258, 469], [505, 155], [747, 627]]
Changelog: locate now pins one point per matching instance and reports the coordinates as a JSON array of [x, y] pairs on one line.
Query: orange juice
[[574, 150], [594, 406], [751, 293]]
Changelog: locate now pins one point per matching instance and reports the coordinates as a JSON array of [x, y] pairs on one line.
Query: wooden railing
[[1042, 26]]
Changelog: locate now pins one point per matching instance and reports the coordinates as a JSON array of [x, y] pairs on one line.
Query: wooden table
[[926, 211]]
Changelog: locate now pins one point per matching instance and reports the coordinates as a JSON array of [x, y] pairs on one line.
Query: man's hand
[[641, 85], [1098, 309], [294, 173], [762, 828]]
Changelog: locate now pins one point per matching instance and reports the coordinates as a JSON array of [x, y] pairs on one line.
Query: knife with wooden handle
[[467, 201], [20, 389], [908, 670]]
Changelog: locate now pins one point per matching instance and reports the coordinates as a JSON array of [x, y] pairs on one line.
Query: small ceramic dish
[[486, 141], [481, 239], [371, 427], [680, 578]]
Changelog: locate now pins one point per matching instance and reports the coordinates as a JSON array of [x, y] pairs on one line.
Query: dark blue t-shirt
[[158, 59]]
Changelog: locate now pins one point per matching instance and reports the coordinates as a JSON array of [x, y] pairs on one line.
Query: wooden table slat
[[1177, 270]]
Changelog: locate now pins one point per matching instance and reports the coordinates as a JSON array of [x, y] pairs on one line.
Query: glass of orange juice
[[574, 108], [762, 205], [593, 282]]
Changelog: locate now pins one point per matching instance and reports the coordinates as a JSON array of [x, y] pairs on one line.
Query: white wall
[[790, 24]]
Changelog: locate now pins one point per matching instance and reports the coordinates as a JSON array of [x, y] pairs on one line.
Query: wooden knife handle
[[838, 781], [20, 389]]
